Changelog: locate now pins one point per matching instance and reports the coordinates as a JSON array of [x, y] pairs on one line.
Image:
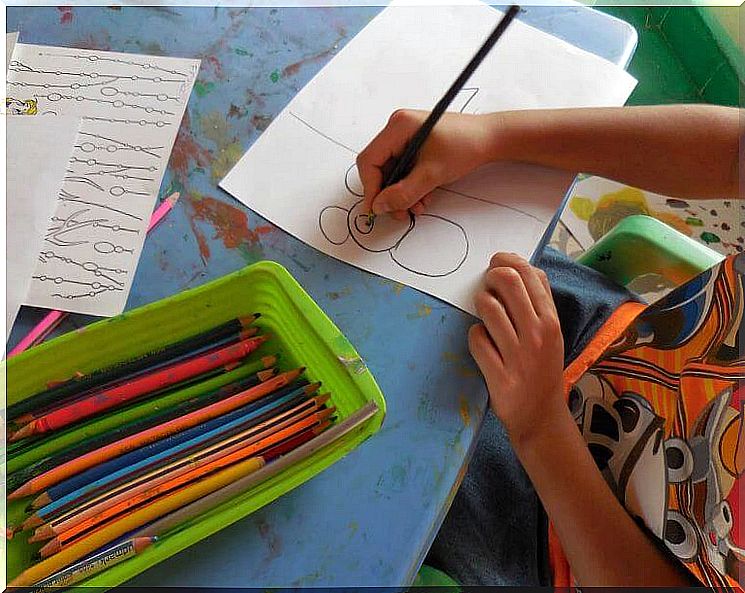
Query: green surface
[[301, 334], [429, 577], [683, 56], [640, 245]]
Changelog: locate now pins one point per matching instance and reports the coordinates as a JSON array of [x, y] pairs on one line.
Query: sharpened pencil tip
[[20, 493], [269, 361], [22, 433]]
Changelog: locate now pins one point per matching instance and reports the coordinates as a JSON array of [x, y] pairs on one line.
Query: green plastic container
[[301, 333]]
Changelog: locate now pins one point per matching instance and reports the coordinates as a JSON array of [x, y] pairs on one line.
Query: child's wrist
[[500, 131], [539, 434]]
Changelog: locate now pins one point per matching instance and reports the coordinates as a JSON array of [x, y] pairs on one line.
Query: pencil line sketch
[[65, 196], [401, 240], [385, 235]]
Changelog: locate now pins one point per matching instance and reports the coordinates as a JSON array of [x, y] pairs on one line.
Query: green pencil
[[101, 427]]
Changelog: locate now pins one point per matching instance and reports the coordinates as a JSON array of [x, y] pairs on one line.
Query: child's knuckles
[[535, 338], [402, 117], [505, 278], [551, 327], [497, 260]]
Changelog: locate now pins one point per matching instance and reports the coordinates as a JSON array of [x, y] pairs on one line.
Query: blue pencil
[[170, 465], [215, 428], [110, 477]]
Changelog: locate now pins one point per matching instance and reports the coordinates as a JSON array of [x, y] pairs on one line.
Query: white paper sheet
[[10, 42], [35, 168], [300, 174], [131, 108]]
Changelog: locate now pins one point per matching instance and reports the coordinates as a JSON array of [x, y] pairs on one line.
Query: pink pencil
[[53, 318]]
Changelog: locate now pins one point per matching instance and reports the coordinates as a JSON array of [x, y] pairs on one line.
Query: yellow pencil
[[139, 517]]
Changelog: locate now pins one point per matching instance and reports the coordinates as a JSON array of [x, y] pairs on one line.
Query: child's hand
[[519, 347], [458, 144]]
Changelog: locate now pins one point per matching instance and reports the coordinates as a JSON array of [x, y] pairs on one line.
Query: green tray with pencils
[[300, 334]]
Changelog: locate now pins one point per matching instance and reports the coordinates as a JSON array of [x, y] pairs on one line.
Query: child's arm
[[689, 151], [519, 351]]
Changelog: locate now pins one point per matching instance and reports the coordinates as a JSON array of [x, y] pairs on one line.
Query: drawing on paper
[[130, 108], [396, 238]]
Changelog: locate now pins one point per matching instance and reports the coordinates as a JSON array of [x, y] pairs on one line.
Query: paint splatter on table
[[598, 204]]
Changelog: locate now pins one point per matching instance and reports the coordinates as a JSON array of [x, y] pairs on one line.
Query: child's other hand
[[519, 347], [457, 145]]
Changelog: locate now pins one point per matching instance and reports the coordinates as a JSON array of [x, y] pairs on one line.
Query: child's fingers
[[400, 215], [485, 354], [418, 208], [407, 192], [508, 286], [532, 280], [371, 178], [498, 324], [389, 142]]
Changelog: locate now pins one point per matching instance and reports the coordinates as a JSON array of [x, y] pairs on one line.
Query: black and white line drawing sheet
[[408, 56], [130, 108]]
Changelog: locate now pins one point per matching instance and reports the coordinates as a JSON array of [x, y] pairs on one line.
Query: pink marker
[[53, 318]]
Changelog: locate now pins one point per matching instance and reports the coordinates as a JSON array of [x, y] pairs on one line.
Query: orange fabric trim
[[560, 571], [611, 330]]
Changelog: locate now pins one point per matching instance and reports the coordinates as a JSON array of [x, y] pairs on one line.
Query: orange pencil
[[115, 396], [63, 542], [138, 518], [97, 456], [36, 520], [164, 480], [213, 410]]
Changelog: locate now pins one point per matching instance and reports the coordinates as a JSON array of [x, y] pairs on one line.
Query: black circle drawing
[[385, 234]]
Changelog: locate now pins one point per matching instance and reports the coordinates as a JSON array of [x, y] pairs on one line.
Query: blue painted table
[[368, 520]]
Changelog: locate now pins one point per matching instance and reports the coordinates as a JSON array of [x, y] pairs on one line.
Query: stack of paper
[[130, 107]]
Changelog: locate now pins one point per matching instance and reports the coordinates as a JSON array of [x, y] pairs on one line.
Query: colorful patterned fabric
[[658, 395]]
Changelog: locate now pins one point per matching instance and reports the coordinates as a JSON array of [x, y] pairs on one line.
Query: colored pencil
[[79, 384], [223, 406], [96, 457], [39, 332], [72, 502], [148, 486], [286, 402], [208, 502], [293, 425], [221, 343], [132, 521], [129, 463], [115, 396], [160, 212], [401, 166], [115, 380], [94, 564], [20, 483], [52, 319], [55, 546], [112, 426]]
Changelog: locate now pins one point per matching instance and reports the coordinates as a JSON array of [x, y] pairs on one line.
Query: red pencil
[[160, 379]]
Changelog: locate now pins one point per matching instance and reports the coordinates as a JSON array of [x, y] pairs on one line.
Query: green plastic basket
[[301, 333]]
